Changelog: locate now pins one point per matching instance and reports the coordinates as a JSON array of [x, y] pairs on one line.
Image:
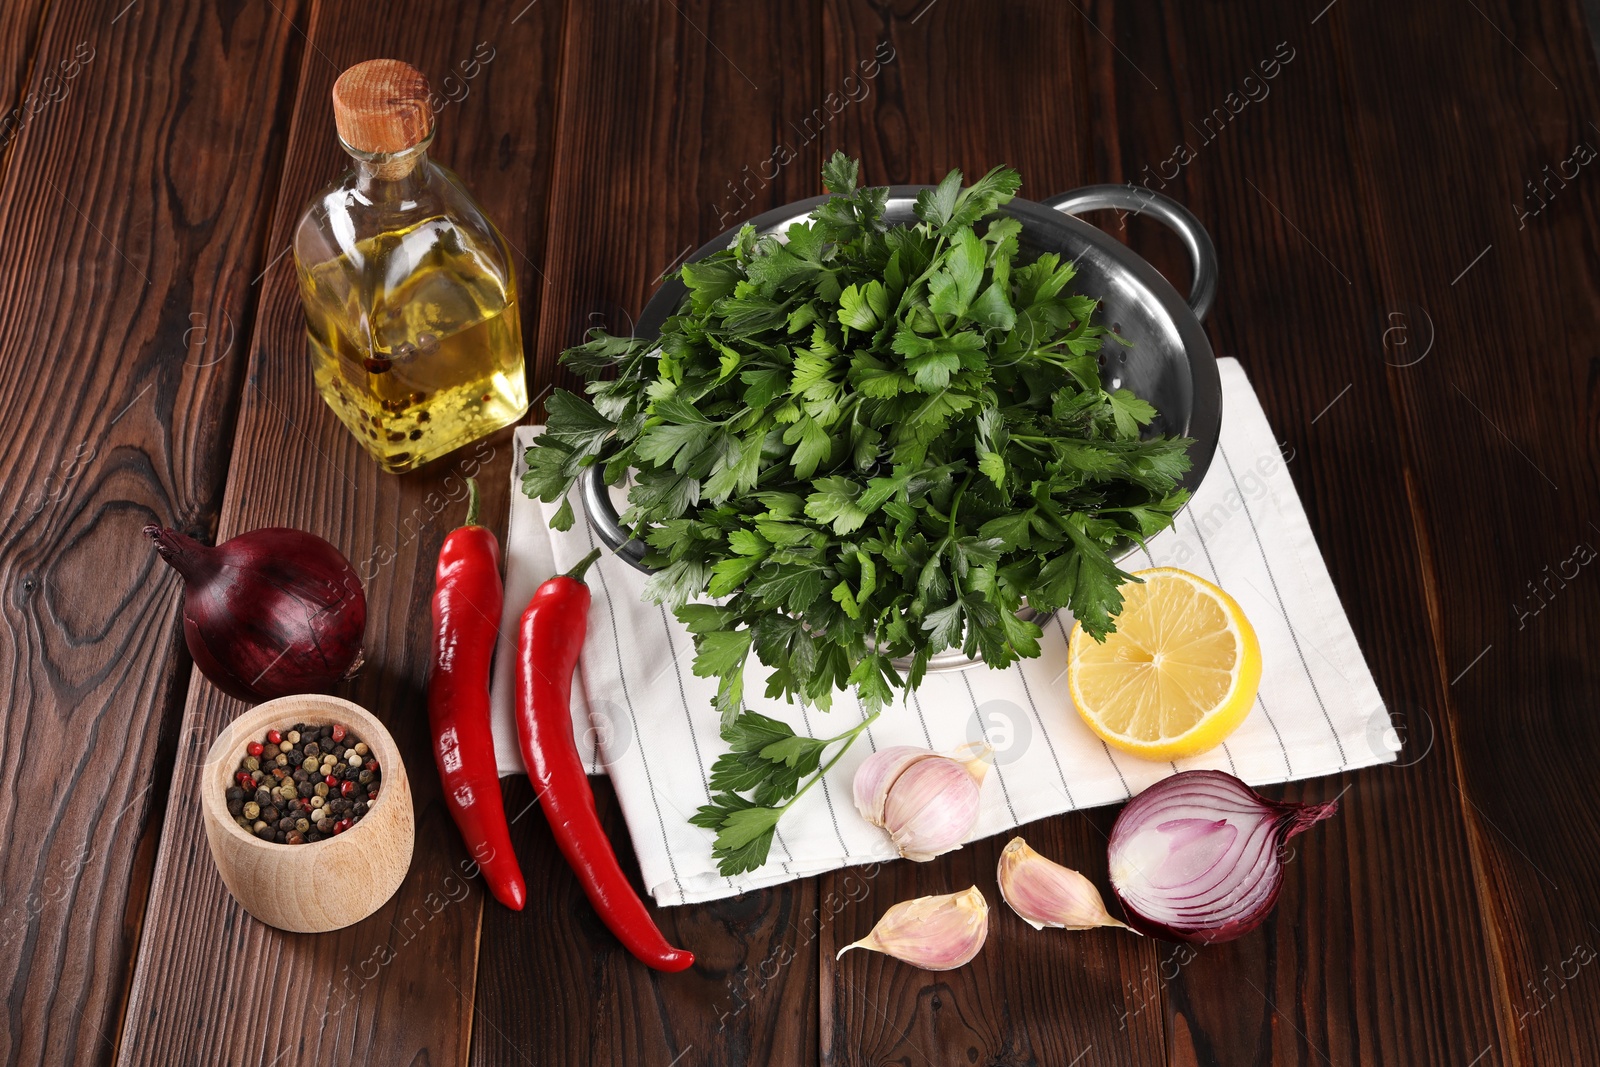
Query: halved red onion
[[1195, 856]]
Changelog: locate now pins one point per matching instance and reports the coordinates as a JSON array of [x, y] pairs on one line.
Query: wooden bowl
[[326, 884]]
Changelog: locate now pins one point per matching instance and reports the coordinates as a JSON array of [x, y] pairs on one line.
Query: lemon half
[[1178, 676]]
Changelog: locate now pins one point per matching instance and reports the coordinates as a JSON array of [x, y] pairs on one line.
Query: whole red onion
[[273, 612], [1195, 856]]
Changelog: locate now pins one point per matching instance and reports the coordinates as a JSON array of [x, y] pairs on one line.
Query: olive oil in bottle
[[409, 292]]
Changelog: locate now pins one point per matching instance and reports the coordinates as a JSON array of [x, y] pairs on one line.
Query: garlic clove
[[938, 933], [877, 773], [1045, 893], [931, 808]]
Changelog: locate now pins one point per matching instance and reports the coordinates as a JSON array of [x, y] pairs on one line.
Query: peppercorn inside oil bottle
[[409, 293], [422, 366]]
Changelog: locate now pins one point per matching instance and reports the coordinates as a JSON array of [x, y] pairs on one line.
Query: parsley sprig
[[768, 761], [860, 442]]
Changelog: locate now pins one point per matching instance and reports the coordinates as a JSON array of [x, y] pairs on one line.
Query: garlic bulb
[[928, 802], [871, 783], [1047, 894], [935, 933]]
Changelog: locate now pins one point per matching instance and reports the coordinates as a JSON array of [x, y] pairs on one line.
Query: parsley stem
[[856, 729], [849, 738], [955, 502]]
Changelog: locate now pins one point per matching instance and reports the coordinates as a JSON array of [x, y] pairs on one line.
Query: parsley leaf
[[869, 442]]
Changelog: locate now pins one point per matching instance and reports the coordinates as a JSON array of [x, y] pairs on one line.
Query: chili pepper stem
[[473, 501], [576, 573]]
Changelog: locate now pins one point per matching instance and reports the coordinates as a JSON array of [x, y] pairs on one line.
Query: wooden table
[[1406, 222]]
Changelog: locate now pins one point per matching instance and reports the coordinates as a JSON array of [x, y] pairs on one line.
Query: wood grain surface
[[1404, 203], [1378, 953], [1500, 441], [20, 102], [398, 987], [126, 264]]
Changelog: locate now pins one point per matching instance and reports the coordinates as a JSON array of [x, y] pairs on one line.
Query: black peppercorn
[[309, 780]]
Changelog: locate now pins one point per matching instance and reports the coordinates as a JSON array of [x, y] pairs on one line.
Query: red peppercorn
[[372, 765], [255, 748], [338, 731], [342, 825], [346, 788], [245, 781], [275, 737], [372, 795], [330, 781]]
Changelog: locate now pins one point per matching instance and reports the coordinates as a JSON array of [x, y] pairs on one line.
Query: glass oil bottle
[[409, 292]]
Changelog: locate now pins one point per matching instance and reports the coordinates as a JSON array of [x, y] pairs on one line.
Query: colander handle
[[1137, 201], [603, 517]]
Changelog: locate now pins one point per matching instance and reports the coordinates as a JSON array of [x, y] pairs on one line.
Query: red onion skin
[[273, 612], [1291, 819]]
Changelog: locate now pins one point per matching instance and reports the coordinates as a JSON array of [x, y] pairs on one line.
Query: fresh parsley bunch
[[867, 441]]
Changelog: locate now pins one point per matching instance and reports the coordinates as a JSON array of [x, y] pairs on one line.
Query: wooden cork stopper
[[382, 106]]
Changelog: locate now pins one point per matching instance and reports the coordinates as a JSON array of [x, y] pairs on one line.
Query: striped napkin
[[642, 717]]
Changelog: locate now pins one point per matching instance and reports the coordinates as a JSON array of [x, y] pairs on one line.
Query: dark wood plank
[[212, 984], [1029, 996], [130, 224], [1499, 429], [556, 987], [668, 112], [932, 98], [1377, 952], [19, 39], [943, 98]]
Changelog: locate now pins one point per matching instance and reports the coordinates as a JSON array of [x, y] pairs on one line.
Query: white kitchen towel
[[642, 717]]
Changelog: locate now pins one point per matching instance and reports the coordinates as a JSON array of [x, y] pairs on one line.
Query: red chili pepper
[[549, 640], [467, 599]]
